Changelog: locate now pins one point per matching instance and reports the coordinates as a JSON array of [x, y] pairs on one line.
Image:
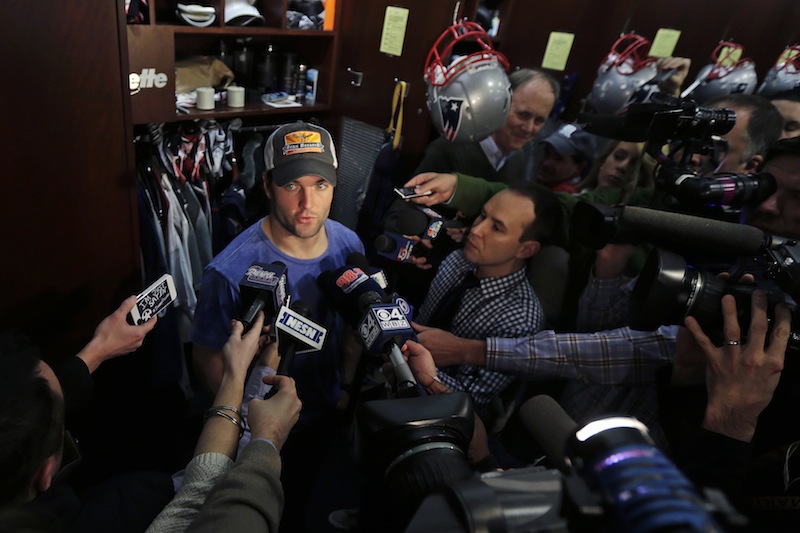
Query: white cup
[[205, 98], [235, 96]]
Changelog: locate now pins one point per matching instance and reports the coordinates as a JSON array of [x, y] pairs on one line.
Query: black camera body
[[612, 479], [411, 447]]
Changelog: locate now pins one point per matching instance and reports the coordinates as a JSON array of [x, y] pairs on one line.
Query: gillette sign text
[[147, 79]]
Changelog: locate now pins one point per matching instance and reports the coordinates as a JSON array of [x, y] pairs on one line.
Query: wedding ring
[[733, 343]]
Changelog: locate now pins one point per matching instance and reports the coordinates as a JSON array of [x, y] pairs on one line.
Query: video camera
[[611, 478], [686, 129], [668, 288]]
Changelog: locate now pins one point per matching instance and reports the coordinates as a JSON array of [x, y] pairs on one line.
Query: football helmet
[[784, 75], [728, 73], [621, 73], [468, 96]]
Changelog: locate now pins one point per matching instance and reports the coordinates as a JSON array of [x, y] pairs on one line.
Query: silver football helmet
[[784, 74], [728, 73], [623, 71], [470, 97]]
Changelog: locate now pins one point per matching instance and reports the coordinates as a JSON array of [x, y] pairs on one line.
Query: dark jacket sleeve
[[248, 498], [77, 383]]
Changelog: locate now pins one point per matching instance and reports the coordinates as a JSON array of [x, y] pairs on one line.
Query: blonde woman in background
[[620, 165]]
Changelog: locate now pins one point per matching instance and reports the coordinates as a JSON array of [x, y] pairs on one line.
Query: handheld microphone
[[550, 426], [394, 247], [377, 274], [360, 260], [383, 329], [425, 223], [263, 286], [404, 305], [295, 330]]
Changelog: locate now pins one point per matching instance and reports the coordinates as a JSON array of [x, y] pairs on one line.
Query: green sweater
[[445, 156]]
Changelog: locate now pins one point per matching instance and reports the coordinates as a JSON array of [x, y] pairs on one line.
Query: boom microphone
[[550, 426], [263, 286], [616, 456], [662, 228]]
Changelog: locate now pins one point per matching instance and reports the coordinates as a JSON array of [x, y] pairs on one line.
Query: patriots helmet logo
[[451, 115]]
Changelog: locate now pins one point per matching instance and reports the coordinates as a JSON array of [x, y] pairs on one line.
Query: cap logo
[[303, 142], [567, 130]]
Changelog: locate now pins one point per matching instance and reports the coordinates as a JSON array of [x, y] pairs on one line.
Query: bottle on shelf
[[267, 70], [287, 82], [225, 55], [243, 66], [300, 84]]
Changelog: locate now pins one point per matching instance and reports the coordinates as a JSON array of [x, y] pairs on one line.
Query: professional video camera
[[686, 129], [612, 478], [668, 289]]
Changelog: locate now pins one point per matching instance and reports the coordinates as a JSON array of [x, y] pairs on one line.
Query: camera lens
[[667, 291]]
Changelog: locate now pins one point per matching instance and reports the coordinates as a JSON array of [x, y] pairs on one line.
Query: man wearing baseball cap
[[301, 164], [568, 153]]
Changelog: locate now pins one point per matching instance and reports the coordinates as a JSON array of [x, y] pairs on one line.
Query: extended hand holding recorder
[[153, 300]]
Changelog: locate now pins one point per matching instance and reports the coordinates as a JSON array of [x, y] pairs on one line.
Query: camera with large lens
[[410, 448], [668, 290], [611, 478], [686, 129]]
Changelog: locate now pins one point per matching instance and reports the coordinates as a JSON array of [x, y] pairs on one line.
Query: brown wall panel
[[67, 214]]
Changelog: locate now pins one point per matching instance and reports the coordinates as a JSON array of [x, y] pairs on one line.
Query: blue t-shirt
[[316, 373]]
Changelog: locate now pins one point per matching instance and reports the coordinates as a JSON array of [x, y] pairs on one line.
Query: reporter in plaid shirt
[[482, 290]]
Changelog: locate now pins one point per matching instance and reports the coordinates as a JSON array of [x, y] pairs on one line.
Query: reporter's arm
[[447, 349], [114, 337], [249, 497]]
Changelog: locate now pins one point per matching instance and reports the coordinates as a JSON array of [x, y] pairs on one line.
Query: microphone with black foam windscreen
[[295, 331], [550, 426], [425, 223], [360, 260], [595, 225], [263, 287], [377, 274], [382, 327], [396, 247], [616, 456]]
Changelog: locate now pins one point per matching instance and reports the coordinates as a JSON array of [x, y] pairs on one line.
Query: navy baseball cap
[[300, 149], [570, 139]]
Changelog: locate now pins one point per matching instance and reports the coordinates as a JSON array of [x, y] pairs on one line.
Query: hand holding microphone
[[263, 288], [295, 330]]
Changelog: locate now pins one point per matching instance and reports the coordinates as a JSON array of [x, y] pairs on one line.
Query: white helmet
[[784, 75], [242, 13], [468, 98], [622, 72], [728, 74]]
